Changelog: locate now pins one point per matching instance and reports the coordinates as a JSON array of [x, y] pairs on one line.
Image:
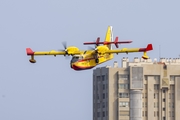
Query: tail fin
[[109, 36]]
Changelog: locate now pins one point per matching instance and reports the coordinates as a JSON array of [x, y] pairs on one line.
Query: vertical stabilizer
[[109, 36]]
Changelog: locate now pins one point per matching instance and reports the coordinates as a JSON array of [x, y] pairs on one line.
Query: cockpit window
[[76, 58]]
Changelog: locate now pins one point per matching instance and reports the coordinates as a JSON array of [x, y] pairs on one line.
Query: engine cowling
[[72, 50], [102, 49]]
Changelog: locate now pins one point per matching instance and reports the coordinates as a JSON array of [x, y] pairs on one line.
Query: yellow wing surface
[[68, 51], [129, 50]]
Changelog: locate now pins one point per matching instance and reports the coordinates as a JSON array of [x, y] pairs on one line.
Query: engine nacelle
[[102, 49], [72, 50]]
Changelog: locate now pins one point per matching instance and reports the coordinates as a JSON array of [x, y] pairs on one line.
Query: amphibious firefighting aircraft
[[87, 59]]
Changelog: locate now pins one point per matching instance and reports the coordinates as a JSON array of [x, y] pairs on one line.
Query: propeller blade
[[64, 45], [90, 48]]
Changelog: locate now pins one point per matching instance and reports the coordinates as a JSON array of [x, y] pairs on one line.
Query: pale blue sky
[[49, 89]]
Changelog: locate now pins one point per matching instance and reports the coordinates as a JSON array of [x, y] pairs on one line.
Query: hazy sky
[[50, 89]]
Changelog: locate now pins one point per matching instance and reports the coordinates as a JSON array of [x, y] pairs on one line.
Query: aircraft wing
[[52, 52], [68, 51], [129, 50]]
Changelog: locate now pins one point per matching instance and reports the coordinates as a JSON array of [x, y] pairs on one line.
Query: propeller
[[64, 45], [65, 50], [93, 48]]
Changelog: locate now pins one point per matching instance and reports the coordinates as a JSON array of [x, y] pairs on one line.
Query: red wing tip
[[29, 51], [149, 47]]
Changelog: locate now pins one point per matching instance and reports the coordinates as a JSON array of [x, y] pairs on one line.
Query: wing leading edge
[[52, 52]]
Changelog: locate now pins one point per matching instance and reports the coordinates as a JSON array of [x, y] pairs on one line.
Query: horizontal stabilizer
[[116, 42]]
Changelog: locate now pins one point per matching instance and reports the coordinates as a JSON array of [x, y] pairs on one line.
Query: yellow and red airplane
[[87, 59]]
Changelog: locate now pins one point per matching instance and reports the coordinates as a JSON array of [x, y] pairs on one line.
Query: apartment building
[[138, 90]]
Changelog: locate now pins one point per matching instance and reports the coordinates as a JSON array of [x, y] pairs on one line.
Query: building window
[[97, 87], [156, 104], [164, 91], [172, 96], [124, 104], [156, 87], [97, 96], [169, 95], [172, 87], [123, 77], [103, 77], [165, 67], [172, 78], [103, 86], [164, 100], [103, 95], [98, 114], [123, 95], [98, 78], [157, 113], [103, 104], [124, 86], [157, 78], [163, 109], [98, 105], [171, 105], [154, 113], [103, 114], [156, 95], [143, 113], [164, 118], [172, 113]]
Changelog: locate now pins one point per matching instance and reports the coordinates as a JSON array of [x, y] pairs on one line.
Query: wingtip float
[[87, 59]]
